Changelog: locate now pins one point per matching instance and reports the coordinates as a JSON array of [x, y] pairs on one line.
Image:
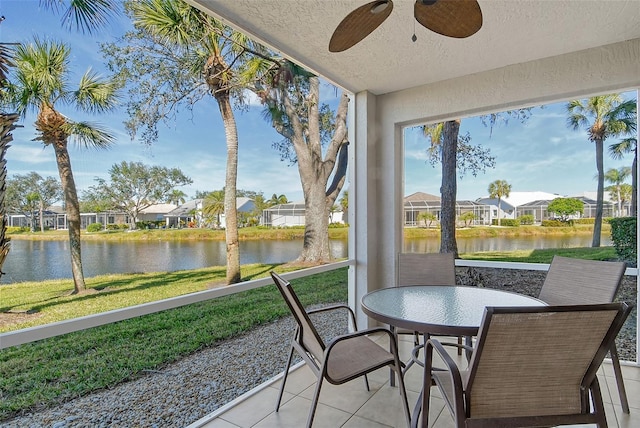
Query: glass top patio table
[[440, 310]]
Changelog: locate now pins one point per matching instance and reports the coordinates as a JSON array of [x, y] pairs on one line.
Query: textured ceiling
[[513, 31]]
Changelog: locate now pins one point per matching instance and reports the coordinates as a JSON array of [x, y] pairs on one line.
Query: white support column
[[375, 200], [637, 235]]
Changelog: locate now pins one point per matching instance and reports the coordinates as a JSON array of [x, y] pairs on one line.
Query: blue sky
[[540, 155]]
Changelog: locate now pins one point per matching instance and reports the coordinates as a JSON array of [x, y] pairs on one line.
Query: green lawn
[[61, 368]]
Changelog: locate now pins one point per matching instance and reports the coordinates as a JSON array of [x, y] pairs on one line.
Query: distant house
[[284, 215], [539, 209], [188, 213], [419, 202], [508, 206], [243, 205], [49, 218], [155, 212]]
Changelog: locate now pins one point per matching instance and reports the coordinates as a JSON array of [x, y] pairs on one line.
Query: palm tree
[[41, 82], [499, 189], [603, 117], [177, 197], [444, 140], [205, 57], [7, 124], [617, 177], [344, 204], [277, 200], [617, 151], [214, 205]]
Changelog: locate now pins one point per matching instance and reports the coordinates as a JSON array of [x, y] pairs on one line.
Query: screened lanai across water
[[284, 215]]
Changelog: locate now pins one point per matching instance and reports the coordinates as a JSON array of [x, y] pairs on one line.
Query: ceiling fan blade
[[453, 18], [359, 24]]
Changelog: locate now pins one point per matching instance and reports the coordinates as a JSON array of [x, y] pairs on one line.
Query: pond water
[[40, 260]]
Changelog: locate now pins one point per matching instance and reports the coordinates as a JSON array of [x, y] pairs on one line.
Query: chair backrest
[[308, 336], [581, 282], [426, 269], [527, 361]]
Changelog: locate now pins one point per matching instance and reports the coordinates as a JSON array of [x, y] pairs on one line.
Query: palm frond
[[626, 145], [43, 64], [85, 15], [6, 61], [90, 135], [96, 94]]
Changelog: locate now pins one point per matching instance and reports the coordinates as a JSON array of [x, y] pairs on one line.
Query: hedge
[[623, 235], [506, 222], [556, 223], [526, 219]]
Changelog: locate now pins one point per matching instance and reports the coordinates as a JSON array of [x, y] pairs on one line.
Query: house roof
[[158, 209], [513, 32], [297, 206], [185, 209], [421, 196], [245, 204], [518, 198]]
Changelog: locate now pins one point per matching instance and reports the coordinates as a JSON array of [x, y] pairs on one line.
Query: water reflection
[[40, 260]]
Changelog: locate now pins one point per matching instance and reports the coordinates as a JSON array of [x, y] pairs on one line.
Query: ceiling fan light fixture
[[380, 6]]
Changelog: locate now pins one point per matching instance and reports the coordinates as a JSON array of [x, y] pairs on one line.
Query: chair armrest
[[454, 373], [457, 345], [334, 307], [364, 332]]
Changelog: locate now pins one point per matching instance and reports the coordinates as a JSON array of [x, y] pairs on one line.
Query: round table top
[[443, 310]]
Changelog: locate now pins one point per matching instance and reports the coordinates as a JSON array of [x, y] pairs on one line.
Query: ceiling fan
[[453, 18]]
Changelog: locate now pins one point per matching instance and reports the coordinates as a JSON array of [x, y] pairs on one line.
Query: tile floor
[[352, 406]]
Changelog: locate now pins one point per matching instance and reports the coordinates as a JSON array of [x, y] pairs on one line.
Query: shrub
[[623, 235], [557, 223], [506, 222], [585, 221], [16, 229], [121, 226], [94, 227], [526, 219]]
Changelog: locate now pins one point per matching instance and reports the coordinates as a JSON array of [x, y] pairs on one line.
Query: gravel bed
[[197, 385], [189, 389], [529, 282]]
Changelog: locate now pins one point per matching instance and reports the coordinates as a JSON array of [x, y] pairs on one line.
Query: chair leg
[[615, 362], [284, 379], [598, 405], [392, 374], [314, 402]]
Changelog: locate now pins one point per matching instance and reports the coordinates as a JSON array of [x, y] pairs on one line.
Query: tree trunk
[[231, 178], [597, 226], [73, 213], [449, 188], [7, 124], [634, 183], [41, 216], [315, 247], [498, 211]]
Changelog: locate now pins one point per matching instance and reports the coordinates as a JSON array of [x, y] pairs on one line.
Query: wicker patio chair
[[546, 380], [343, 359], [579, 282]]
